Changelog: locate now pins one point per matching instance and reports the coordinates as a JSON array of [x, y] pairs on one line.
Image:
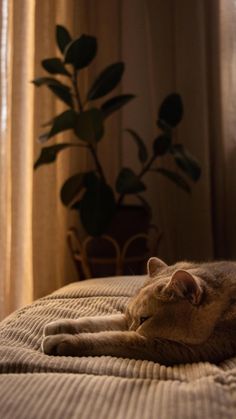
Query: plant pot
[[123, 250]]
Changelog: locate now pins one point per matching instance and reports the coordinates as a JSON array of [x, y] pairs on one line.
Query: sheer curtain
[[186, 46], [227, 51], [33, 223], [16, 154], [181, 64]]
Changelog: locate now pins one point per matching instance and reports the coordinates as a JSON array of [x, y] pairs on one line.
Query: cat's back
[[213, 273]]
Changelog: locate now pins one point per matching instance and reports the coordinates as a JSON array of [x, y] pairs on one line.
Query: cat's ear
[[154, 265], [186, 286]]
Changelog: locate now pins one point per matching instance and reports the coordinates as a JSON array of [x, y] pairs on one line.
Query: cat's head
[[184, 302]]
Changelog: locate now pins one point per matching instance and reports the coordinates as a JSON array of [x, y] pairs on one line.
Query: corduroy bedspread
[[34, 385]]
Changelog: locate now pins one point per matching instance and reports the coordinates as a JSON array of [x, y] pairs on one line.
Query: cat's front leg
[[86, 324], [120, 344]]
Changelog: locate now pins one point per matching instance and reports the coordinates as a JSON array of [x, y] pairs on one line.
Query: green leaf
[[128, 182], [106, 81], [97, 207], [186, 162], [48, 123], [81, 51], [71, 188], [63, 37], [62, 92], [114, 104], [176, 178], [161, 145], [89, 126], [142, 150], [49, 154], [40, 81], [66, 120], [54, 66], [171, 111], [76, 205], [59, 89]]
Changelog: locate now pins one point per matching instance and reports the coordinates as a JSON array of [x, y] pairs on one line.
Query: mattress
[[34, 385]]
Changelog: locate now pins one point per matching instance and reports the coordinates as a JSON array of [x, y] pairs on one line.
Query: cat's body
[[183, 313]]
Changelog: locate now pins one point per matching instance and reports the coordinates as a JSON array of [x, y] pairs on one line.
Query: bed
[[34, 385]]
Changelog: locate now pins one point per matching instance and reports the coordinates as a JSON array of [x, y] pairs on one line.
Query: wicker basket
[[111, 259]]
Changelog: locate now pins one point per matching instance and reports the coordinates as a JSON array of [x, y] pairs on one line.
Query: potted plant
[[100, 206]]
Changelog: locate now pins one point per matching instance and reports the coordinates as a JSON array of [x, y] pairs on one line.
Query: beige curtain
[[227, 149], [16, 154], [187, 46], [33, 223], [179, 47]]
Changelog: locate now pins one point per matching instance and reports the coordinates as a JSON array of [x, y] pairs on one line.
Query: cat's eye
[[143, 319]]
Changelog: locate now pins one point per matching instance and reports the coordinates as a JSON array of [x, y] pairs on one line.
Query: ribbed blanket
[[34, 385]]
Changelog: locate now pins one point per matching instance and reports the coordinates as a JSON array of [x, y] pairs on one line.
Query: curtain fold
[[225, 169], [16, 155], [35, 259], [186, 46], [180, 65], [5, 177]]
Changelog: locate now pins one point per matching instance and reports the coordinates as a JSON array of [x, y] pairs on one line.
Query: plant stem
[[97, 162], [76, 89], [80, 108], [147, 167]]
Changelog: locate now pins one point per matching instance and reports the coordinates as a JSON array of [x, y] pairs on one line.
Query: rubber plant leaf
[[41, 81], [81, 51], [54, 66], [174, 177], [49, 154], [161, 145], [61, 90], [63, 37], [142, 149], [63, 93], [171, 111], [66, 120], [128, 182], [106, 81], [89, 125], [186, 162], [115, 103], [72, 187]]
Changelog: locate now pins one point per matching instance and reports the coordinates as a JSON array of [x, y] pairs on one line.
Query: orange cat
[[184, 313]]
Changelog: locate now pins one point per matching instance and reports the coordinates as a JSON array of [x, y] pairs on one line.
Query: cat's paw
[[58, 327], [58, 345]]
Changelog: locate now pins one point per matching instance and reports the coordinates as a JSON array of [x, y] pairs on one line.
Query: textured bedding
[[34, 385]]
